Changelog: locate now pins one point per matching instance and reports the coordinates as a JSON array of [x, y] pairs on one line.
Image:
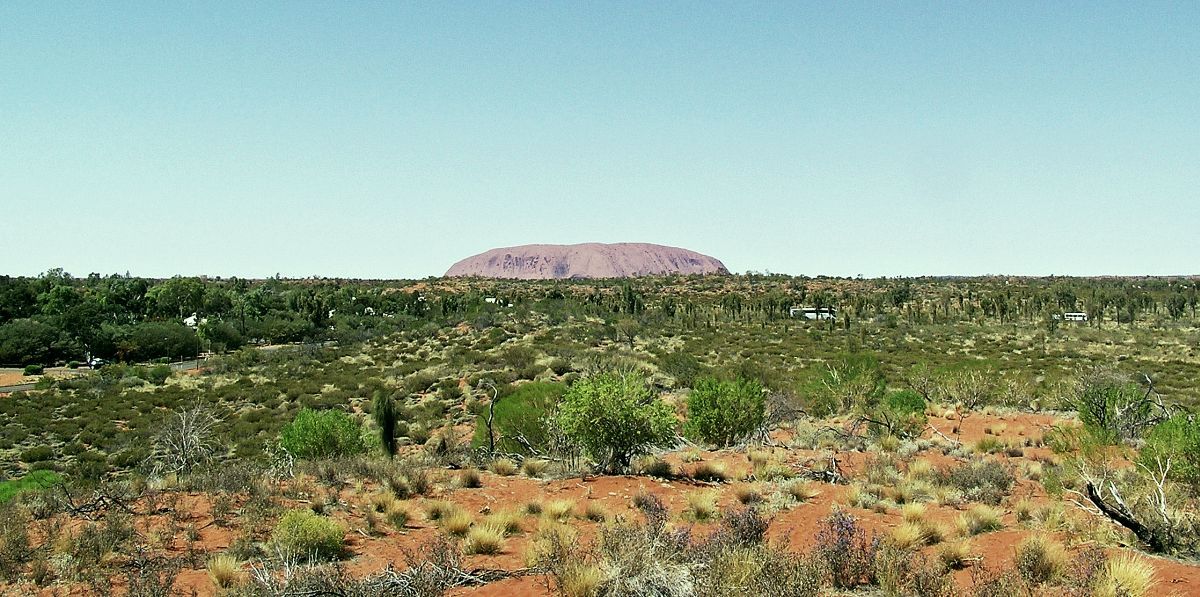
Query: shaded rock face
[[589, 260]]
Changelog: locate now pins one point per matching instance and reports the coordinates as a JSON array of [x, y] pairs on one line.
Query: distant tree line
[[57, 318]]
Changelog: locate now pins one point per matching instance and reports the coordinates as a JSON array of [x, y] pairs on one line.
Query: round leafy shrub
[[37, 454], [901, 414], [614, 417], [309, 535], [321, 434], [34, 369], [722, 412]]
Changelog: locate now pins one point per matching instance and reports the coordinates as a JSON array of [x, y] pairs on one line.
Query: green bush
[[901, 414], [37, 454], [1112, 407], [614, 417], [525, 411], [848, 382], [684, 367], [321, 434], [1177, 439], [722, 412], [309, 535], [34, 369], [158, 374]]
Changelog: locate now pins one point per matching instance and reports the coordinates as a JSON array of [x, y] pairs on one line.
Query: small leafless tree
[[187, 439]]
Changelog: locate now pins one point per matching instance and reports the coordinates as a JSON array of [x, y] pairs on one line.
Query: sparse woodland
[[657, 436]]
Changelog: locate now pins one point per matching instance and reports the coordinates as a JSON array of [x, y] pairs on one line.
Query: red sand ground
[[797, 526]]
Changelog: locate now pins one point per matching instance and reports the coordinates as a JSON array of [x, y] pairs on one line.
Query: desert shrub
[[996, 582], [846, 549], [1112, 407], [905, 573], [37, 454], [986, 481], [149, 575], [899, 414], [1177, 439], [722, 412], [186, 439], [1086, 568], [522, 413], [321, 434], [847, 382], [15, 548], [683, 366], [743, 527], [309, 535], [383, 411], [614, 417], [158, 374]]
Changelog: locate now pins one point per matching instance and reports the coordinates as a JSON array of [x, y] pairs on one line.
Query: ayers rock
[[588, 260]]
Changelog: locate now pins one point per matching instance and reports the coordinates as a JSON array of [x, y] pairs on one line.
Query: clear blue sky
[[391, 139]]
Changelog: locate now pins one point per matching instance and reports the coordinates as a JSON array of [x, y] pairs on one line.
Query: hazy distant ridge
[[588, 260]]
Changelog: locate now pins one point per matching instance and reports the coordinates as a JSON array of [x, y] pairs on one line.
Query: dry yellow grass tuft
[[226, 571], [801, 490], [438, 509], [534, 467], [1125, 575], [503, 467], [595, 512], [381, 502], [747, 494], [701, 505], [913, 512], [979, 519], [1040, 560], [581, 580], [907, 536], [487, 539], [710, 471], [508, 520], [558, 509], [954, 555], [457, 523], [398, 515]]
